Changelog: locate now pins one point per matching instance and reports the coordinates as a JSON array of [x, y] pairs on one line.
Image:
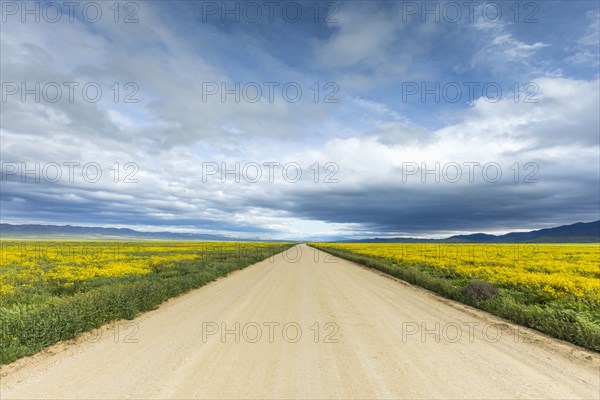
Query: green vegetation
[[46, 302], [571, 318]]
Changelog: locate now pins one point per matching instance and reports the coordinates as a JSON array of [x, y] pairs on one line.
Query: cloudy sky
[[301, 120]]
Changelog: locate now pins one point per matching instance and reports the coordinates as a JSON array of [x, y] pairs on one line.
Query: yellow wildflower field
[[26, 264], [557, 270], [56, 290]]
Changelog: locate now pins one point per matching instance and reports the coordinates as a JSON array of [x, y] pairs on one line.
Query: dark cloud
[[468, 208]]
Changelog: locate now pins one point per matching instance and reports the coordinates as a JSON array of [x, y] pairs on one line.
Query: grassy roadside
[[47, 316], [574, 320]]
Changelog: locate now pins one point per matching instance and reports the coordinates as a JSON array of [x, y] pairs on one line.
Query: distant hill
[[581, 232], [79, 232], [576, 233]]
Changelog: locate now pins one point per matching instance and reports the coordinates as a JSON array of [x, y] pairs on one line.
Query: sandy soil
[[309, 326]]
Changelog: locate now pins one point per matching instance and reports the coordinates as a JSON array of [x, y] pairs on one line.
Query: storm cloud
[[357, 121]]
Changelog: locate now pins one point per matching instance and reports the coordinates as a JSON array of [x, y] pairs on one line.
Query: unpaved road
[[363, 335]]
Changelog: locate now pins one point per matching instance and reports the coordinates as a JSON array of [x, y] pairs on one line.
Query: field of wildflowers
[[56, 290], [554, 288]]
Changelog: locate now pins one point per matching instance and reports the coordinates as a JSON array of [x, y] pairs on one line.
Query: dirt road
[[308, 326]]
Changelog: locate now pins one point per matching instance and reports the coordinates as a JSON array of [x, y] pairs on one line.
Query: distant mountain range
[[81, 232], [581, 232], [576, 233]]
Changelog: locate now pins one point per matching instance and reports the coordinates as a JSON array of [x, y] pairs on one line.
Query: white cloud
[[501, 50], [373, 46]]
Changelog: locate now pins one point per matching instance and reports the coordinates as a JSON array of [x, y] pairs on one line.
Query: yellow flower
[[555, 269]]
